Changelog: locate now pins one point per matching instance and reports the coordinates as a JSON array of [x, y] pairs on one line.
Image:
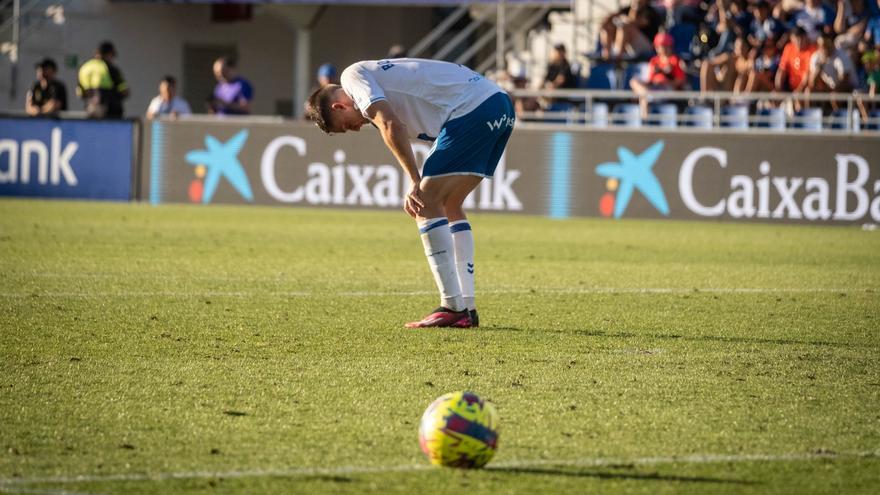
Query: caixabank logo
[[632, 172], [831, 181], [218, 160], [260, 165]]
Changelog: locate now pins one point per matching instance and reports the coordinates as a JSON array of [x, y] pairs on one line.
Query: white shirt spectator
[[159, 107], [832, 70]]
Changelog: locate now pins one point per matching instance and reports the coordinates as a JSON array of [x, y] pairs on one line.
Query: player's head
[[333, 111]]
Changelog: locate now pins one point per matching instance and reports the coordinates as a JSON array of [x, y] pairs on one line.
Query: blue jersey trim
[[438, 223], [460, 227]]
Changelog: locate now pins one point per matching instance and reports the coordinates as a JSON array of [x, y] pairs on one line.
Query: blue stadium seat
[[771, 118], [599, 116], [627, 115], [809, 119], [839, 119], [735, 117], [558, 113], [662, 115], [873, 122], [699, 116]]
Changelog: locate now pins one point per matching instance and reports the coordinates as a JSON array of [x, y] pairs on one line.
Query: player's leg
[[440, 249], [467, 149], [463, 242]]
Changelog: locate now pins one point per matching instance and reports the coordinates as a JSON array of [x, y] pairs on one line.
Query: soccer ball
[[459, 430]]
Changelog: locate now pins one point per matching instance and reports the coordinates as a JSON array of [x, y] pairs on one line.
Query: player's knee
[[432, 198]]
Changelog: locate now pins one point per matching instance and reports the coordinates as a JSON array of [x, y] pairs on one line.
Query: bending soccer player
[[468, 118]]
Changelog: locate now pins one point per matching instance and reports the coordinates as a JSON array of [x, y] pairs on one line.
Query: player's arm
[[393, 131]]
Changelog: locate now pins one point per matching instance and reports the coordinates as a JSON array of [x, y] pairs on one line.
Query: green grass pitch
[[239, 350]]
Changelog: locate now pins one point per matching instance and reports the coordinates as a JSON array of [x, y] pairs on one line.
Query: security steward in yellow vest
[[101, 85]]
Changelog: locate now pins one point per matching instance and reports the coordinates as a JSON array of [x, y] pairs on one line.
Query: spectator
[[872, 29], [665, 72], [851, 20], [831, 70], [704, 42], [48, 96], [728, 71], [794, 65], [167, 103], [523, 104], [764, 66], [327, 74], [101, 85], [396, 51], [233, 94], [764, 25], [871, 63], [559, 76], [559, 73], [813, 17], [627, 33], [739, 16]]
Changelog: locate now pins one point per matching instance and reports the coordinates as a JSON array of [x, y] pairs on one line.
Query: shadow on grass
[[662, 336], [592, 473]]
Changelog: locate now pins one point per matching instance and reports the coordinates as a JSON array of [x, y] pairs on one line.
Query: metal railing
[[691, 110]]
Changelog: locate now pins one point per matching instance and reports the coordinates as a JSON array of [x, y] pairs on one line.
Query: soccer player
[[468, 118]]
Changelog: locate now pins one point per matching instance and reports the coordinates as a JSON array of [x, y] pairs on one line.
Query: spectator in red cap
[[665, 71]]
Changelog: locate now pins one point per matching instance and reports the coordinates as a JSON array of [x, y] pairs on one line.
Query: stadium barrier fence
[[719, 111]]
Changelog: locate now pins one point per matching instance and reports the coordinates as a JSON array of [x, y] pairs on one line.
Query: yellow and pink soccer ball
[[460, 430]]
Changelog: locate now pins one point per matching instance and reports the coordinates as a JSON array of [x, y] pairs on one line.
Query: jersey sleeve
[[362, 87]]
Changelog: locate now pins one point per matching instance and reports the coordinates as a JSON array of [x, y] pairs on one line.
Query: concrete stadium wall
[[558, 173], [150, 38]]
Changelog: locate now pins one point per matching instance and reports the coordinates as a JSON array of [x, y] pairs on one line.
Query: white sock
[[463, 239], [439, 250]]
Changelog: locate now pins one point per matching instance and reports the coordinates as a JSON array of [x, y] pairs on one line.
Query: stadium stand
[[836, 81]]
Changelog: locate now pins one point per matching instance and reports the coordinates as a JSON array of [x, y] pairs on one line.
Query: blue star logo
[[221, 159], [634, 172]]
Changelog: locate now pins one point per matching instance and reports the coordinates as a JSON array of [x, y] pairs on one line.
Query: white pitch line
[[524, 290], [354, 470], [32, 491]]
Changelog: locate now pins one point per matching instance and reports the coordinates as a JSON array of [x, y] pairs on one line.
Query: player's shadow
[[599, 474]]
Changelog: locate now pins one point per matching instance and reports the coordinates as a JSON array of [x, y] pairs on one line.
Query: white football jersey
[[425, 94]]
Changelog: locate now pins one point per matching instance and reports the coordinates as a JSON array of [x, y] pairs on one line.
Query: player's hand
[[413, 202]]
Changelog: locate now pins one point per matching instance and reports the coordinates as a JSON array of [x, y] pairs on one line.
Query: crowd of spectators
[[794, 47]]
